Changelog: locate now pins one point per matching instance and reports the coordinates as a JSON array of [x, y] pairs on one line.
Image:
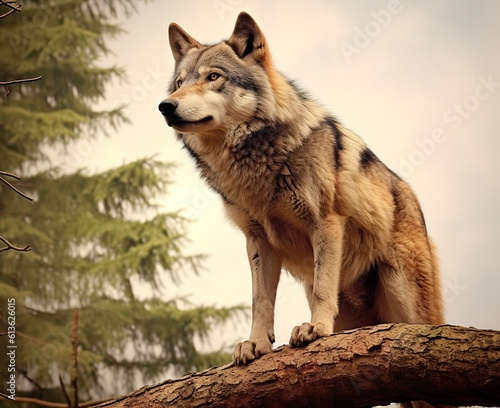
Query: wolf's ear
[[247, 38], [180, 41]]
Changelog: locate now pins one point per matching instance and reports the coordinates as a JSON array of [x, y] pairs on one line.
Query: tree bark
[[357, 368]]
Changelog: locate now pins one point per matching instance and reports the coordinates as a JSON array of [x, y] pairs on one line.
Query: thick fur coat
[[308, 194]]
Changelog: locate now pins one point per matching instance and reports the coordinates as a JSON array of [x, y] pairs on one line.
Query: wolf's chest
[[253, 186]]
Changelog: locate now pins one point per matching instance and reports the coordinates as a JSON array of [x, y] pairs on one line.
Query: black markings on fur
[[337, 136], [423, 219], [296, 203], [286, 180], [218, 191], [303, 95], [249, 46], [367, 158], [224, 197], [244, 81], [362, 293], [178, 47], [394, 175], [395, 196], [300, 208], [288, 183], [399, 201], [257, 144], [256, 232], [240, 77], [221, 88], [370, 284]]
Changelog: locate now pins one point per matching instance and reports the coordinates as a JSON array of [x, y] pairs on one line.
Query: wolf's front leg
[[322, 293], [266, 268]]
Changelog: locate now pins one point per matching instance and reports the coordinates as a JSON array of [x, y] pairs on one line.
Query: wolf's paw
[[307, 332], [247, 351]]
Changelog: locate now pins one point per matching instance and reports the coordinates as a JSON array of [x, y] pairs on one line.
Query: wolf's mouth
[[178, 123]]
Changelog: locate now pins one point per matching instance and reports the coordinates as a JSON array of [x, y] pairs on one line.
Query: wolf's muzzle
[[168, 108]]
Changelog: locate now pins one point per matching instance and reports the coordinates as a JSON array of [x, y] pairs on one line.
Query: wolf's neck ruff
[[249, 158]]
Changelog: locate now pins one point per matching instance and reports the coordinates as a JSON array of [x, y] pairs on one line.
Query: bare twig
[[4, 173], [74, 371], [17, 81], [15, 248], [12, 5], [20, 81], [7, 14], [65, 393], [24, 373], [9, 245]]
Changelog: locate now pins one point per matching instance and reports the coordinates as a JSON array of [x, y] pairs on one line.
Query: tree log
[[357, 368]]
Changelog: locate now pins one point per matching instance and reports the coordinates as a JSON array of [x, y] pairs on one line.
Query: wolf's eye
[[179, 83], [213, 76]]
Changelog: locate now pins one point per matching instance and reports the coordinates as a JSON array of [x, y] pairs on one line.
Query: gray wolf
[[308, 194]]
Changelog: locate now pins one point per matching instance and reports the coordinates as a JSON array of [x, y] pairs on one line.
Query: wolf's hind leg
[[396, 299]]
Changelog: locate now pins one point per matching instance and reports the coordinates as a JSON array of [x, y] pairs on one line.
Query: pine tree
[[91, 249]]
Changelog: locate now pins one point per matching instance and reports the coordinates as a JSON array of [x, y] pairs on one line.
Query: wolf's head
[[216, 87]]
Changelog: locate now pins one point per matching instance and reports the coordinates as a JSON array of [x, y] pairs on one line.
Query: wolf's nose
[[168, 106]]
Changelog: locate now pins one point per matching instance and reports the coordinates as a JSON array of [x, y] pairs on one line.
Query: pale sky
[[418, 81]]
